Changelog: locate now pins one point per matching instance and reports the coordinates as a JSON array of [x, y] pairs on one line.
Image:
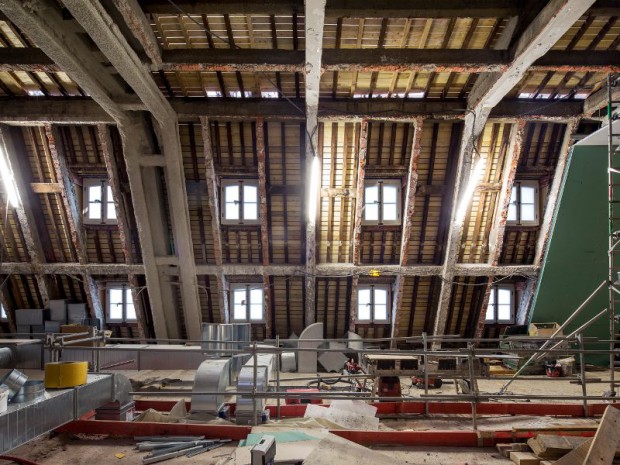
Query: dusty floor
[[100, 450]]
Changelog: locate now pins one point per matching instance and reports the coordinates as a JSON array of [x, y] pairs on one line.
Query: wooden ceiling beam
[[123, 220], [60, 40], [28, 210], [73, 211], [97, 23], [141, 29], [408, 212], [31, 111], [345, 8], [364, 60], [314, 21], [556, 17]]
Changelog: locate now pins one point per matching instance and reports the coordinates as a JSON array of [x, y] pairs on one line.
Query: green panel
[[576, 261]]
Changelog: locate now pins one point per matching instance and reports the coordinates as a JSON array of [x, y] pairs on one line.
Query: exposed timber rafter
[[123, 220], [323, 269], [37, 111], [214, 210], [42, 22], [27, 212], [541, 34], [291, 61], [410, 192], [99, 25], [74, 216], [140, 28], [264, 228], [315, 20], [357, 219], [496, 236], [345, 8], [599, 100]]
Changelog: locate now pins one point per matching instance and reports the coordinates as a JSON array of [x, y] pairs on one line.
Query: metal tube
[[582, 371], [278, 377], [568, 321], [254, 377], [470, 362], [610, 252], [425, 341]]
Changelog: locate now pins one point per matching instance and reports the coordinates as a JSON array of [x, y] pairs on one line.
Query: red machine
[[389, 386], [434, 382]]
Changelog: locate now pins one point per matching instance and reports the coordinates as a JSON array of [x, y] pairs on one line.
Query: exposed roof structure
[[168, 99]]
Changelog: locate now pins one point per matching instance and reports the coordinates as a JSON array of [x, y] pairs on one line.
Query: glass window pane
[[239, 312], [256, 312], [109, 196], [490, 315], [371, 195], [115, 303], [390, 194], [94, 193], [512, 212], [111, 211], [250, 193], [528, 213], [94, 210], [371, 212], [231, 193], [130, 311], [363, 296], [390, 213], [527, 194], [256, 296], [381, 296], [381, 312], [239, 295], [250, 211], [3, 315], [231, 211], [363, 312], [504, 296], [504, 313]]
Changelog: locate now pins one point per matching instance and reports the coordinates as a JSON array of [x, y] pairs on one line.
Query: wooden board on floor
[[606, 439], [576, 456], [524, 458], [551, 446]]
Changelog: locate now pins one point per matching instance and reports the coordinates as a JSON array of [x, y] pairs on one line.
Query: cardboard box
[[543, 329]]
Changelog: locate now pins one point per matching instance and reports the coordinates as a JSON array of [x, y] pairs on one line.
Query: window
[[3, 315], [523, 208], [248, 302], [120, 304], [501, 305], [99, 205], [382, 202], [240, 201], [373, 304]]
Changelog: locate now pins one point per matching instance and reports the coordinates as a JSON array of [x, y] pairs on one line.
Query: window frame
[[494, 294], [87, 183], [372, 288], [127, 298], [380, 183], [247, 287], [518, 203], [241, 183]]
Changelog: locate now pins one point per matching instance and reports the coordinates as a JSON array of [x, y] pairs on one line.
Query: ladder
[[613, 182]]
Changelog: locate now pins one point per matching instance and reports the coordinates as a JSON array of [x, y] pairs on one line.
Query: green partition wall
[[576, 260]]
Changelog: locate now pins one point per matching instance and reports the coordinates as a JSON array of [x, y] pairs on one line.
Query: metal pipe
[[254, 378], [425, 349], [568, 321], [470, 362], [278, 378], [582, 371]]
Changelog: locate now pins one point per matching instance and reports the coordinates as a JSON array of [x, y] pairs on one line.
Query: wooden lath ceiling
[[363, 142]]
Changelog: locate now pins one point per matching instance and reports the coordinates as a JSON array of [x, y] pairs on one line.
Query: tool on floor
[[264, 453], [434, 382]]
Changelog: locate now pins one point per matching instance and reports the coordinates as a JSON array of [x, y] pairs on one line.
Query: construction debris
[[163, 448], [350, 414]]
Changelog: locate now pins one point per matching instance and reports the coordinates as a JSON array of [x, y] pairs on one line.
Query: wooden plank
[[524, 458], [605, 441]]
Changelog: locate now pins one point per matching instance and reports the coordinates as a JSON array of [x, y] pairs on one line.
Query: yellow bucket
[[65, 374]]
